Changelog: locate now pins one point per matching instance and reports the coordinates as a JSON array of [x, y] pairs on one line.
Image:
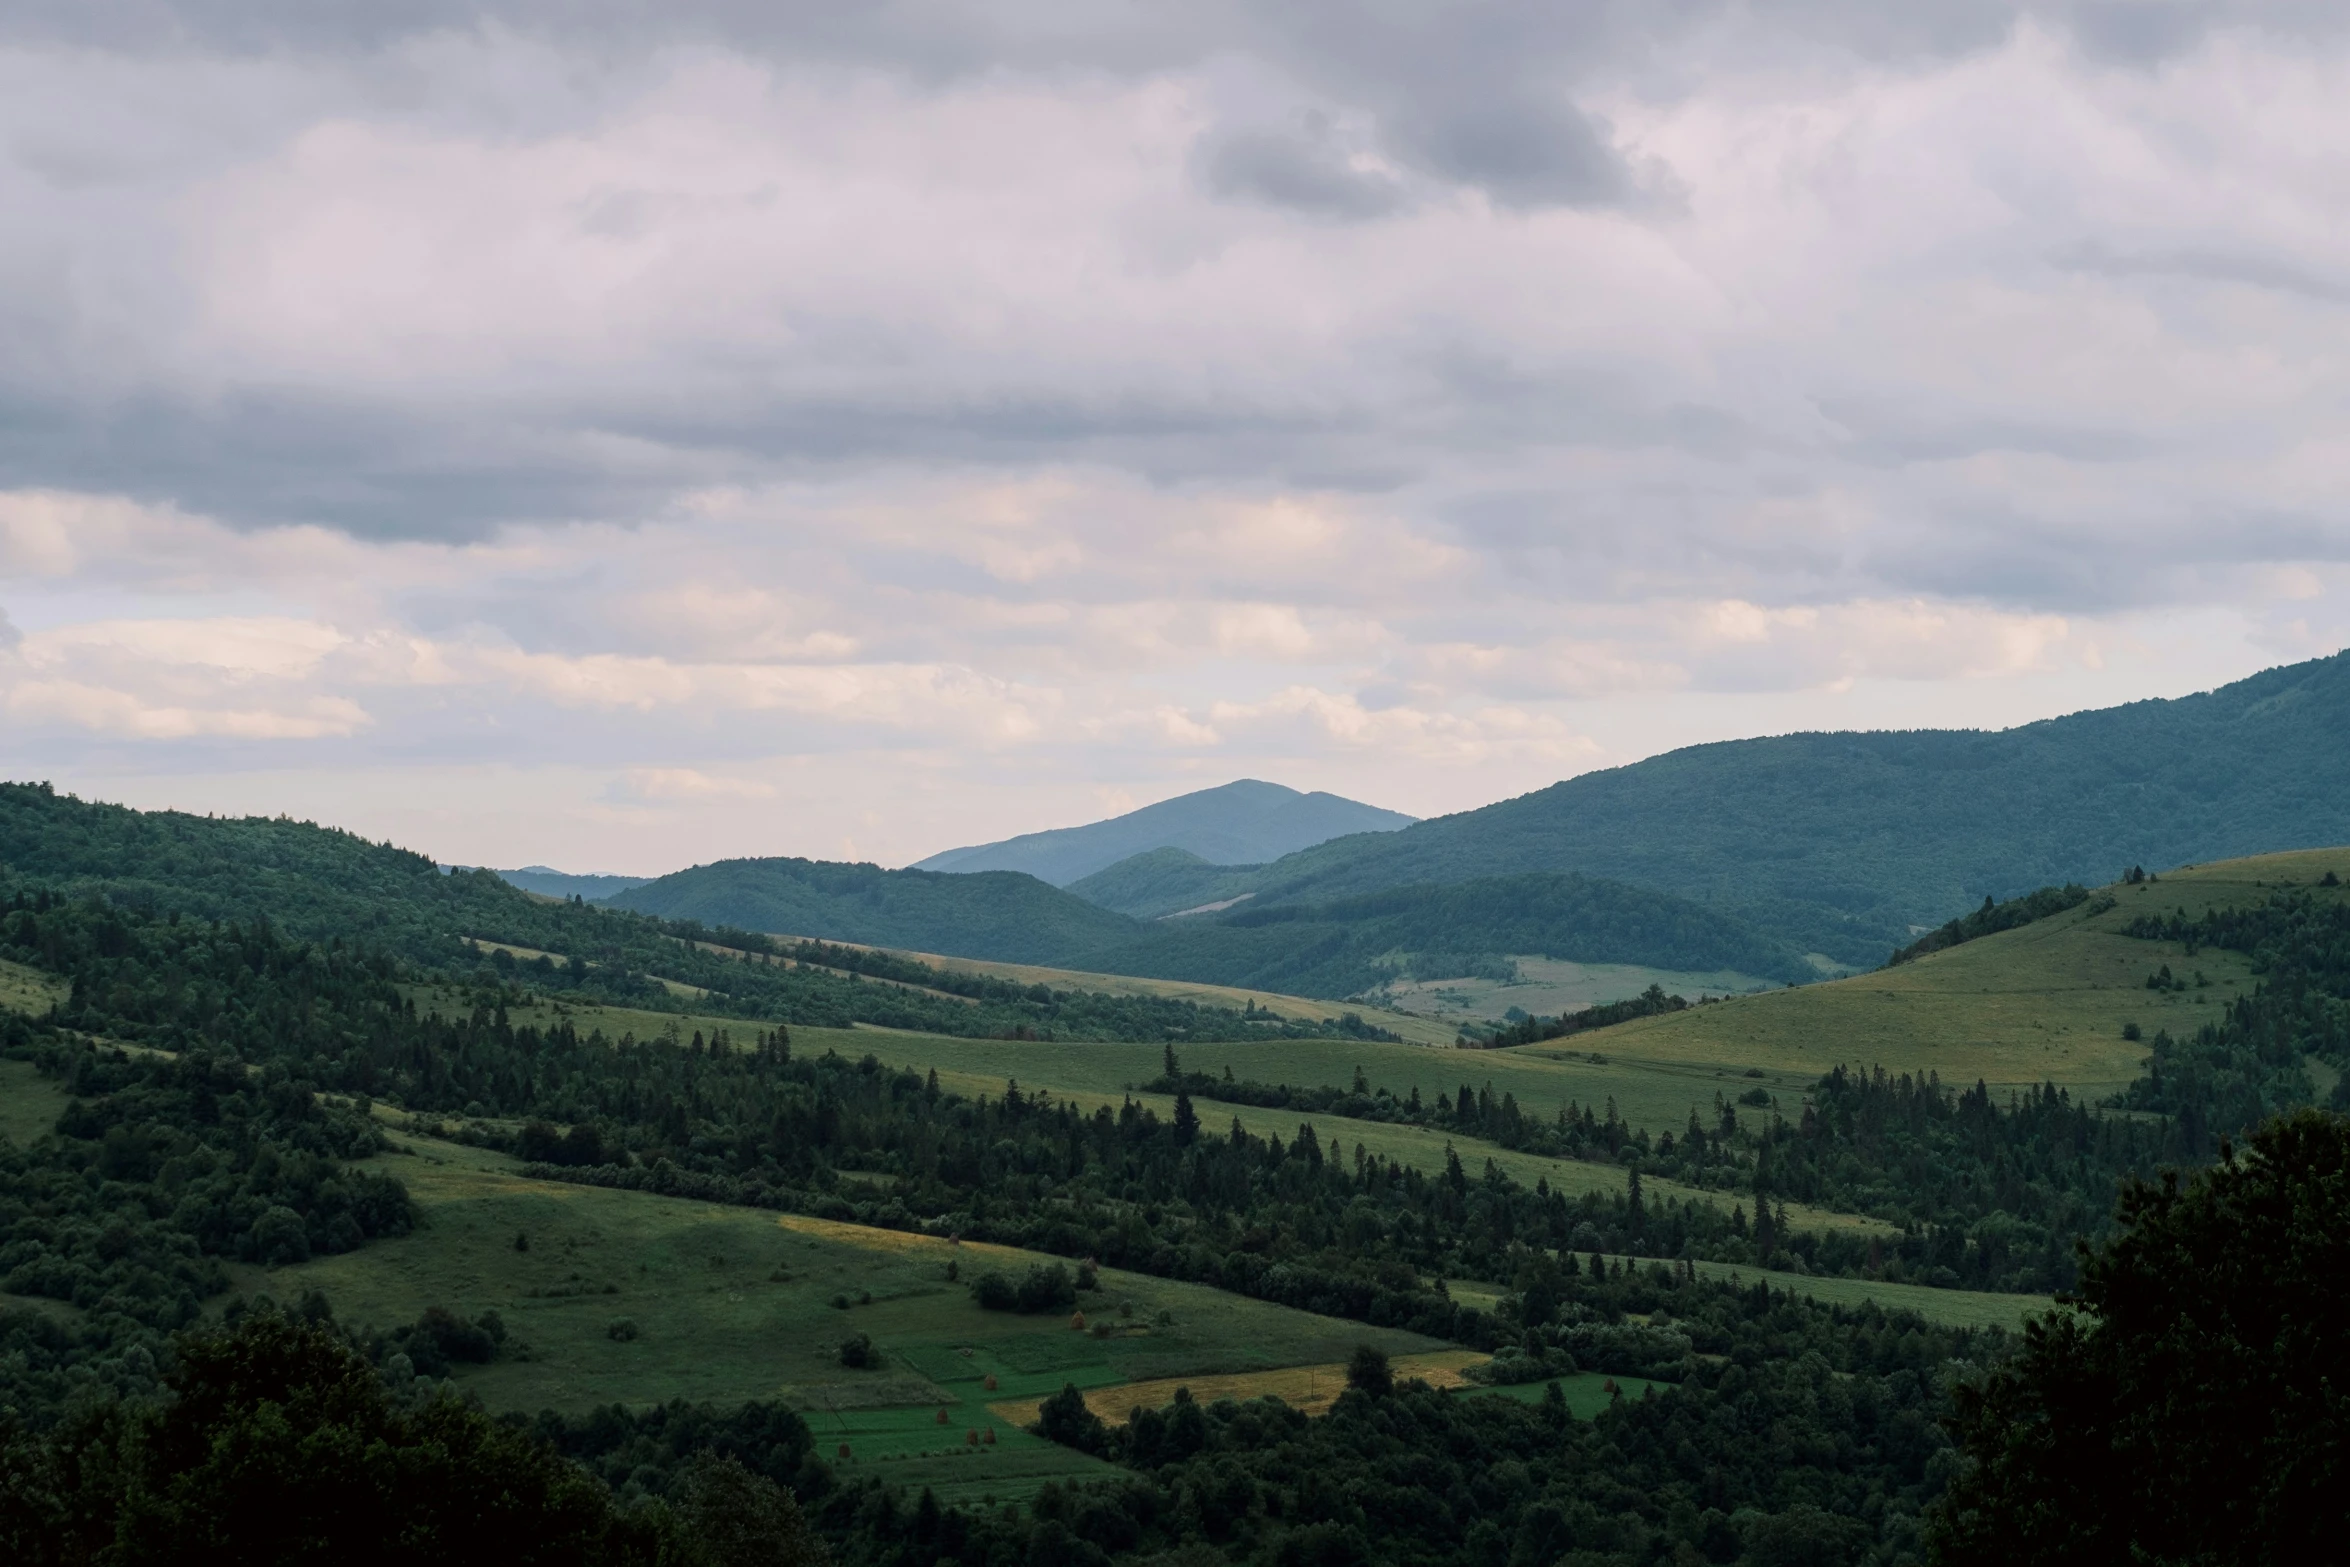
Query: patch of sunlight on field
[[1312, 1389], [30, 991]]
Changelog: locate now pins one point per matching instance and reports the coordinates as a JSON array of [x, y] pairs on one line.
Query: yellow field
[[1311, 1389]]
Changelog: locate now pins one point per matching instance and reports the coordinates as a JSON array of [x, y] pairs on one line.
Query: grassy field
[[730, 1303], [29, 1103], [1657, 1095], [1952, 1308], [1412, 1146], [2045, 1003], [1414, 1029], [1546, 987], [28, 990]]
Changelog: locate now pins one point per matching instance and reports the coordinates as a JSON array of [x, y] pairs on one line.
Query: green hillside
[[1338, 949], [325, 885], [1352, 945], [1840, 843], [1159, 882], [1003, 915], [921, 1313]]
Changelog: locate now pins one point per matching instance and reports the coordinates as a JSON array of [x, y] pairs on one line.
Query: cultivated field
[[1546, 987], [729, 1304]]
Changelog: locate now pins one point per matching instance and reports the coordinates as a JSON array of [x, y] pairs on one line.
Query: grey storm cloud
[[1361, 120]]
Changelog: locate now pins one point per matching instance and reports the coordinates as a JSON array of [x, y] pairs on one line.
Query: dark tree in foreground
[[2197, 1408]]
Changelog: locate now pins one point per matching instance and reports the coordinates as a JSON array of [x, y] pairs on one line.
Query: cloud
[[958, 415], [1302, 168]]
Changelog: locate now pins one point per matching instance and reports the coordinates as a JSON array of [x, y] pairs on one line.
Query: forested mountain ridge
[[1335, 950], [1841, 842], [1005, 916], [322, 884], [1246, 822]]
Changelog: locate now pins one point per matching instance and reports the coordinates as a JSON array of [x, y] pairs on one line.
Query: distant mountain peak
[[1245, 822]]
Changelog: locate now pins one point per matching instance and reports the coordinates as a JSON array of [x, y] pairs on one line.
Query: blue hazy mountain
[[564, 884], [1243, 823]]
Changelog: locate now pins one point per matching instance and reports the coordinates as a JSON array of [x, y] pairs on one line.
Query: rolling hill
[[1243, 823], [1334, 950], [1003, 915], [1841, 843]]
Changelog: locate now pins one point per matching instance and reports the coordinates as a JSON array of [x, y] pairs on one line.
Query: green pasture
[[731, 1304], [29, 990], [29, 1103], [1546, 987], [1951, 1308], [1655, 1095], [1414, 1147], [2044, 1003], [1414, 1029]]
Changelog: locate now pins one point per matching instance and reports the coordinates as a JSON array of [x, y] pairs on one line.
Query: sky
[[623, 436]]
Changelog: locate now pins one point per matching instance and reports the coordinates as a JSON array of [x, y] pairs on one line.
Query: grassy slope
[[716, 1323], [1416, 1030], [28, 990], [1064, 1071], [2045, 1003]]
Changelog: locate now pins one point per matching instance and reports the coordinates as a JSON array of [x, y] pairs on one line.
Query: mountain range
[[1836, 844], [1246, 822]]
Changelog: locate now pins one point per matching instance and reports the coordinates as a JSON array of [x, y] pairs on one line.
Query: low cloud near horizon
[[617, 437]]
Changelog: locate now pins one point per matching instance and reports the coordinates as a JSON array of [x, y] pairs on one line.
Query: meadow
[[1546, 987], [726, 1304], [2043, 1003], [28, 990], [1414, 1029]]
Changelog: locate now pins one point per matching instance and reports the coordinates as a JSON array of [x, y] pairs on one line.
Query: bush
[[1043, 1288], [858, 1354], [622, 1330]]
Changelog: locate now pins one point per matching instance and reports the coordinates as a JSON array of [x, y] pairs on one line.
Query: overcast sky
[[626, 435]]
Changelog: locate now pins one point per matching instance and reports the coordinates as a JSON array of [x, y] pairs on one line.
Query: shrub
[[858, 1354], [622, 1329]]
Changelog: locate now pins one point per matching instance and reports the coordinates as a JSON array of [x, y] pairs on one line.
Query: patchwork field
[[1546, 987], [726, 1304]]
